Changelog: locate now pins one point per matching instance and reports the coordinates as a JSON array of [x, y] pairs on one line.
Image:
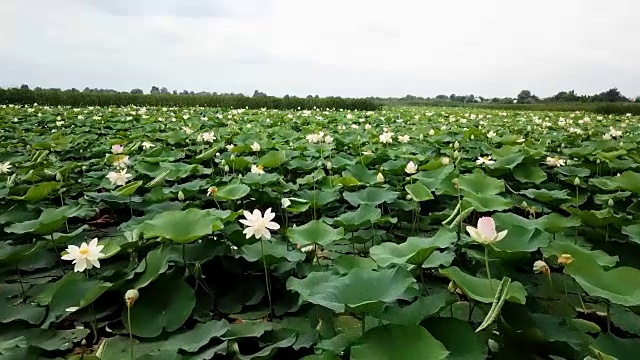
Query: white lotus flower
[[229, 147], [258, 225], [445, 160], [614, 133], [5, 167], [257, 169], [117, 149], [491, 134], [85, 256], [606, 136], [313, 138], [485, 160], [367, 126], [121, 161], [486, 233], [555, 161], [207, 136], [432, 132], [386, 138], [404, 138], [212, 190], [255, 146], [147, 145], [119, 178], [328, 139], [380, 178], [187, 130], [411, 168]]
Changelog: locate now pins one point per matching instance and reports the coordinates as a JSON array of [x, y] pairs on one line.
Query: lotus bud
[[610, 202], [131, 296], [541, 267], [380, 178], [83, 342], [285, 203], [576, 181], [456, 145], [329, 165], [180, 195], [565, 259], [524, 204], [456, 183], [226, 168], [493, 345], [445, 160], [456, 154], [452, 287], [58, 176], [432, 132], [409, 197], [473, 137]]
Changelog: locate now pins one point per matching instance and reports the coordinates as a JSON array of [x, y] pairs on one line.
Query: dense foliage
[[367, 253], [54, 97]]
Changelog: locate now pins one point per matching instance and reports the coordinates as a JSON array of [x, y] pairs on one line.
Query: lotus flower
[[411, 168], [486, 233], [85, 256], [258, 225]]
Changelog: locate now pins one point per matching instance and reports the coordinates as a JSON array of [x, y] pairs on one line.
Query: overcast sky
[[324, 47]]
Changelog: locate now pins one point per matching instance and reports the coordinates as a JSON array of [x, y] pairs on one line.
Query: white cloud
[[330, 47]]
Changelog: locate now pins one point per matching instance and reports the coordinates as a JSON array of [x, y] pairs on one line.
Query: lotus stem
[[20, 281], [608, 316], [266, 278], [486, 264], [55, 247], [130, 331]]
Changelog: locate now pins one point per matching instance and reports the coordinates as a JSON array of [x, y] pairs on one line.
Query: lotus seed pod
[[180, 195], [610, 202], [131, 296], [565, 259], [541, 267]]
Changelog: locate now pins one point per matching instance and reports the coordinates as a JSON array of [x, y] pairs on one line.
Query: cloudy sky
[[325, 47]]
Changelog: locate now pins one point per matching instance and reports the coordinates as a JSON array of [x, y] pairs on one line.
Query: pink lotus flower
[[486, 233], [117, 149]]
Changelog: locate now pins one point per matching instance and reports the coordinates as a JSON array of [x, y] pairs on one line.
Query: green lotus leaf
[[529, 173], [620, 285], [314, 232], [365, 215], [414, 251], [181, 226], [479, 288], [128, 189], [273, 159], [522, 234], [165, 304], [361, 290], [49, 221], [560, 247], [544, 195], [614, 347], [274, 252], [38, 192], [232, 192], [371, 196], [398, 342], [419, 192], [458, 337], [419, 310]]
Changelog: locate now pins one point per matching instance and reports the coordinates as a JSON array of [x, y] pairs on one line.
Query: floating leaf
[[398, 342]]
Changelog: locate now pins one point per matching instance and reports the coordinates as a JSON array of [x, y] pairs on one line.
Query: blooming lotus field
[[195, 233]]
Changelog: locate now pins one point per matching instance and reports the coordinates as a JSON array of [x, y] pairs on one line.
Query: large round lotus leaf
[[556, 223], [458, 337], [633, 231], [419, 192], [487, 202], [371, 196], [365, 215], [398, 342], [361, 290], [620, 285], [566, 246], [522, 234], [273, 159], [414, 251], [181, 226], [545, 195], [232, 192], [628, 180], [274, 252], [165, 304], [49, 221], [72, 290], [362, 174], [617, 348], [479, 183], [38, 192], [529, 173], [479, 289], [314, 232], [595, 218], [421, 309], [318, 198]]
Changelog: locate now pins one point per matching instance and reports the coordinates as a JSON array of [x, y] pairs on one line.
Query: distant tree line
[[524, 97], [163, 97]]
